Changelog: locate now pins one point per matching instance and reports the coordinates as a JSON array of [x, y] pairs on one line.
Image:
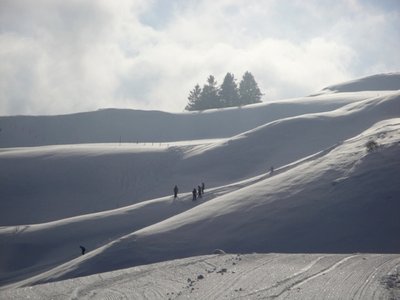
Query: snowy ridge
[[329, 194], [379, 82], [131, 126]]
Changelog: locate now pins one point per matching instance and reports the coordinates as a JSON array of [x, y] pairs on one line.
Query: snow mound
[[379, 82]]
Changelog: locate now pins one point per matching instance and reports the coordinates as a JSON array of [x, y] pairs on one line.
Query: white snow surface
[[379, 82], [250, 276], [328, 195]]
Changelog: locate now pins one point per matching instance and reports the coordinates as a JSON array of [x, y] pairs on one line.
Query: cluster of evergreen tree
[[226, 95]]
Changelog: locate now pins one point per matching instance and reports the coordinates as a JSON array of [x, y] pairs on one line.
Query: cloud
[[70, 56], [61, 56]]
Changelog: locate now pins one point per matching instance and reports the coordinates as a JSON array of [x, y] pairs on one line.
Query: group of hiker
[[196, 193]]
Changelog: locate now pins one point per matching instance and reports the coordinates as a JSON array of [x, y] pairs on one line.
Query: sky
[[59, 57]]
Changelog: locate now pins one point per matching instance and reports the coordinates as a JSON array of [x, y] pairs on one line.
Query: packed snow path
[[253, 276]]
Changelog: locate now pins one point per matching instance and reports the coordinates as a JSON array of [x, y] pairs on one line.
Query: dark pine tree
[[194, 98], [248, 90], [229, 94], [209, 97]]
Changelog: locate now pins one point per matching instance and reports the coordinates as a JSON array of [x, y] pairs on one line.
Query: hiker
[[271, 170], [83, 249], [199, 191], [203, 186], [175, 191], [194, 193]]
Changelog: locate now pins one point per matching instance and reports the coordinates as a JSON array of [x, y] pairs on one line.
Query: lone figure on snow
[[83, 249], [175, 191]]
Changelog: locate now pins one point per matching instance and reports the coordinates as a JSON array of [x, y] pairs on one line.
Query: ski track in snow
[[252, 276]]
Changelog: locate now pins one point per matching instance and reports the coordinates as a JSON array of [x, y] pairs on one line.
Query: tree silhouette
[[229, 94], [209, 97], [194, 98], [248, 90]]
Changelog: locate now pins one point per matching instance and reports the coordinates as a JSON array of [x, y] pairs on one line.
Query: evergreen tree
[[194, 98], [209, 97], [248, 90], [229, 94], [212, 96]]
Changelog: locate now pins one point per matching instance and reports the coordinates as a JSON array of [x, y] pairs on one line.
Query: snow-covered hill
[[251, 276], [379, 82], [92, 178], [324, 204], [131, 126], [328, 194]]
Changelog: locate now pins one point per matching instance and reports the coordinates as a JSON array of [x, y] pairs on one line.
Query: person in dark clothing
[[271, 170], [83, 249], [203, 186], [199, 191], [194, 193], [175, 191]]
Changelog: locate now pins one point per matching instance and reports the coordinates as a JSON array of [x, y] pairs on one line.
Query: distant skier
[[175, 191], [83, 249], [271, 170], [203, 186], [194, 193], [199, 191]]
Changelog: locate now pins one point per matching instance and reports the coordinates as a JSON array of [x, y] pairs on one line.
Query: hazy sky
[[78, 55]]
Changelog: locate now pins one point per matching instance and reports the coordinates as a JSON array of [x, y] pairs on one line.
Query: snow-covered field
[[104, 180], [236, 276]]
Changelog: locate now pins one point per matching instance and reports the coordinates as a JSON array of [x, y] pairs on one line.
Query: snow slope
[[52, 243], [328, 194], [252, 276], [74, 180], [115, 125], [379, 82], [324, 204]]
